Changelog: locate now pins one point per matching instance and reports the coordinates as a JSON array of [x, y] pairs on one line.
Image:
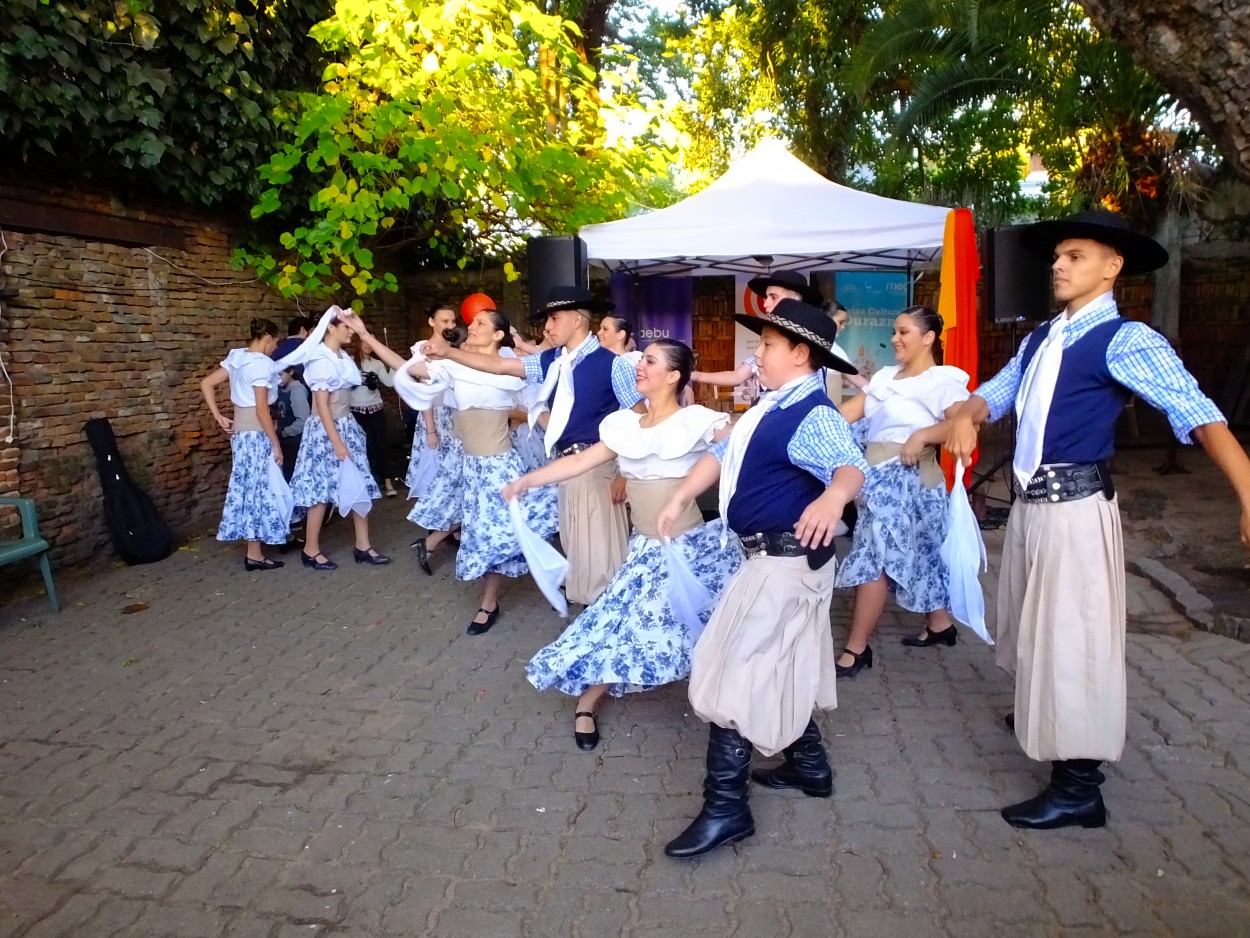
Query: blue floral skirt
[[252, 513], [628, 637], [488, 543], [441, 506], [901, 528], [316, 478]]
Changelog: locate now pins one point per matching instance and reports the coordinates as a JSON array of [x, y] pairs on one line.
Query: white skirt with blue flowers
[[252, 512], [902, 524], [316, 478], [488, 543], [628, 637]]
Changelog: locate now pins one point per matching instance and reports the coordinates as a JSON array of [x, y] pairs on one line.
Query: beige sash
[[647, 498], [339, 407], [246, 418], [483, 432], [930, 472]]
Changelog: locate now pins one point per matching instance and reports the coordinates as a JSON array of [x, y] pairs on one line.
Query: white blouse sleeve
[[321, 375]]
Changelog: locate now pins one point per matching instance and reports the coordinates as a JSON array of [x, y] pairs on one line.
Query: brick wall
[[96, 329]]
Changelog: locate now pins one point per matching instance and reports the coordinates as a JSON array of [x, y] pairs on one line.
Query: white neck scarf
[[559, 379], [1033, 400], [739, 440]]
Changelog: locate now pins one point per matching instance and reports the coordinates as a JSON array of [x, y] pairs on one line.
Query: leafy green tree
[[148, 97], [446, 130]]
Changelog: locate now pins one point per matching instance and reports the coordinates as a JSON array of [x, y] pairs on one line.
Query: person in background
[[370, 412], [835, 381], [297, 329], [292, 410], [616, 335]]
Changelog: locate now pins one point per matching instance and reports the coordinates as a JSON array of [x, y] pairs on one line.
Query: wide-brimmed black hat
[[787, 280], [807, 324], [562, 298], [1141, 253]]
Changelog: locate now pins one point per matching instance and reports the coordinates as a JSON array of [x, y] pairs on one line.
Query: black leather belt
[[570, 450], [1067, 482], [774, 545]]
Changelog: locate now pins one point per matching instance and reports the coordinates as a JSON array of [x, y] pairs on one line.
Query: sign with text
[[874, 299]]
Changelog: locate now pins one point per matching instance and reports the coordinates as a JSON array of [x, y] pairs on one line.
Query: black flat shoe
[[423, 555], [948, 636], [586, 741], [251, 565], [863, 659], [477, 628], [316, 564], [370, 556]]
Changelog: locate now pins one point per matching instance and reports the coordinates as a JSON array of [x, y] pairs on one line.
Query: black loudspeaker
[[1017, 281], [554, 262]]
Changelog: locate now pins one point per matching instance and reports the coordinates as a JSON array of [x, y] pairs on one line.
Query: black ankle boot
[[1072, 798], [726, 816], [806, 767]]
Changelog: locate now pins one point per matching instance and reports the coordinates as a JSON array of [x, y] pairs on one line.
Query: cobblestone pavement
[[294, 753]]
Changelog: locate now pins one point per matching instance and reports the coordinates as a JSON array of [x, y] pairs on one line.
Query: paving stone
[[347, 762]]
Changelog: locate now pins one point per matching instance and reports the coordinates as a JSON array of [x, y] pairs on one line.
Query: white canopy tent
[[770, 212]]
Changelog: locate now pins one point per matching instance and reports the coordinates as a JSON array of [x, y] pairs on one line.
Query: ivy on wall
[[174, 97]]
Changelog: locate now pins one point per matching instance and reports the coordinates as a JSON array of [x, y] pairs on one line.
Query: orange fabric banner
[[957, 304]]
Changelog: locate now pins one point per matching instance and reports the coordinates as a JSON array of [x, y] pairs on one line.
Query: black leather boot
[[806, 767], [726, 816], [1072, 798]]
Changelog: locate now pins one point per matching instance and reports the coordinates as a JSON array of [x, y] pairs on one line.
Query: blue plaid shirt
[[1137, 357], [822, 444], [624, 378]]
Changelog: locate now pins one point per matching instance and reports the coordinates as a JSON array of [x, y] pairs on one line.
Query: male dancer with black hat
[[1061, 606], [765, 660], [582, 383]]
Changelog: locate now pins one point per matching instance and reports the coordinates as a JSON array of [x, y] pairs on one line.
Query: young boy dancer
[[766, 660]]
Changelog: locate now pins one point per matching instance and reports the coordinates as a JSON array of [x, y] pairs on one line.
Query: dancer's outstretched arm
[[561, 470]]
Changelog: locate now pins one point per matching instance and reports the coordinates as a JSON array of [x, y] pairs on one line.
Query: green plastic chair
[[29, 545]]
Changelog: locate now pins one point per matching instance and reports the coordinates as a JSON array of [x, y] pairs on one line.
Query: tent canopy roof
[[770, 212]]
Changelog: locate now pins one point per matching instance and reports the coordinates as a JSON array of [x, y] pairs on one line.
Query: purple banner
[[659, 307]]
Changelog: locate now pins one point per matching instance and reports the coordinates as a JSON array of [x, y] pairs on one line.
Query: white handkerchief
[[281, 491], [353, 493], [687, 596], [963, 552], [547, 565]]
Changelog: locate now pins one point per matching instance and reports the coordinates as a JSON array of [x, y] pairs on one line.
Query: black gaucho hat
[[787, 280], [1141, 253], [562, 298], [804, 323]]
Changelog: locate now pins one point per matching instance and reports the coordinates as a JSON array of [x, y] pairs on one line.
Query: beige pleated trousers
[[1061, 627], [765, 660], [593, 532]]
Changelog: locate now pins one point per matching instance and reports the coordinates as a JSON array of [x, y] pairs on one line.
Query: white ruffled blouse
[[668, 450], [895, 408], [327, 370], [249, 371]]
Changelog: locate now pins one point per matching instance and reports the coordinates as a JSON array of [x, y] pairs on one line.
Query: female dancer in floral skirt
[[252, 511], [628, 639], [331, 435], [902, 505], [489, 549]]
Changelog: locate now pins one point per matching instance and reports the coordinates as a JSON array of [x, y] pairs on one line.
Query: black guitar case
[[139, 533]]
